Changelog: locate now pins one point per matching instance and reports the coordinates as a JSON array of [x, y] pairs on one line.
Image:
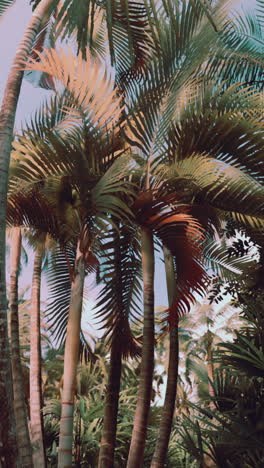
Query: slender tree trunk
[[36, 418], [8, 445], [210, 370], [108, 440], [71, 357], [23, 440], [162, 442], [78, 442], [136, 452]]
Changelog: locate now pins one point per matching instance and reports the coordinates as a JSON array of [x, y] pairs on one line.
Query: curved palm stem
[[23, 440], [8, 110], [107, 446], [36, 419], [136, 452], [162, 443], [71, 357]]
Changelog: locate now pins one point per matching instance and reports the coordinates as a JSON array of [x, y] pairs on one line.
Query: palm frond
[[126, 26], [88, 82], [30, 209], [59, 276], [218, 185], [183, 235], [218, 260], [118, 304], [243, 355], [225, 124], [4, 5], [239, 56], [45, 39]]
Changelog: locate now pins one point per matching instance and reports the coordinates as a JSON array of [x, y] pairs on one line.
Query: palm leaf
[[88, 82], [218, 260], [127, 29], [59, 276], [224, 124], [4, 5], [44, 39], [118, 303], [183, 235]]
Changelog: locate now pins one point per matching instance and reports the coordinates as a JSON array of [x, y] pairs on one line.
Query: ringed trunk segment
[[23, 440], [210, 371], [7, 119], [35, 378], [108, 440], [71, 358], [139, 434], [165, 427]]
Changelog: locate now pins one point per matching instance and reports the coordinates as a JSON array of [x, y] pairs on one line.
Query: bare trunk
[[162, 443], [139, 434], [23, 440], [71, 357], [210, 371], [8, 445], [108, 440], [36, 418]]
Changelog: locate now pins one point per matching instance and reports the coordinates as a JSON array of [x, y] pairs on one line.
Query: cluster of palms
[[156, 150]]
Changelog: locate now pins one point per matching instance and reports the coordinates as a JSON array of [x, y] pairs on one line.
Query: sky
[[12, 26]]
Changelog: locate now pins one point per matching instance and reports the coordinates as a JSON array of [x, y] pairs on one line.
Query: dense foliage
[[150, 144]]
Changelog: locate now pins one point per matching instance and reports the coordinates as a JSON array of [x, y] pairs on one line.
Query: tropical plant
[[36, 423], [23, 440], [196, 145], [7, 118]]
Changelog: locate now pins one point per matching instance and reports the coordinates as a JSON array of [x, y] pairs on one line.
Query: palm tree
[[162, 443], [71, 357], [23, 440], [159, 123], [7, 119], [147, 364], [36, 404], [80, 211], [117, 307]]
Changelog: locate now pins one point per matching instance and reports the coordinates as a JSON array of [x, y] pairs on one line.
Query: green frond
[[239, 57], [51, 116], [118, 304], [44, 39], [59, 273], [218, 184], [218, 260], [4, 5], [30, 209], [244, 355], [132, 44], [225, 124], [108, 192], [260, 11], [126, 25]]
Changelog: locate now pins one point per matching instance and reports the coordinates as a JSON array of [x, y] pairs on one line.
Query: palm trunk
[[8, 446], [210, 371], [136, 452], [171, 389], [108, 440], [23, 440], [36, 419], [71, 357]]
